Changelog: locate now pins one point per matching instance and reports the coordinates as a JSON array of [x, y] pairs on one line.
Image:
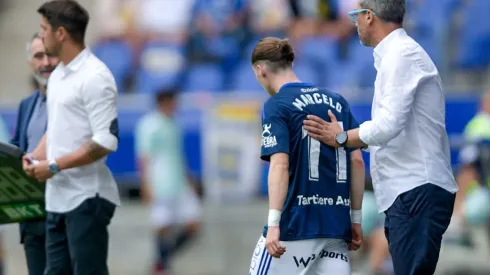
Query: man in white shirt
[[410, 161], [81, 194]]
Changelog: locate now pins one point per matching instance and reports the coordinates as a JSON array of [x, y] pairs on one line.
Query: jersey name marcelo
[[313, 96]]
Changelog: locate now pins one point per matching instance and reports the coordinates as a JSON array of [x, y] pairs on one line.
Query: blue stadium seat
[[360, 53], [204, 77], [249, 48], [306, 72], [361, 67], [433, 46], [118, 57], [339, 76], [428, 22], [244, 78], [319, 52], [161, 66], [430, 14], [474, 36]]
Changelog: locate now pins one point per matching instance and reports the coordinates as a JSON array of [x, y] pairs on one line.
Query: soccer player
[[165, 184], [310, 228]]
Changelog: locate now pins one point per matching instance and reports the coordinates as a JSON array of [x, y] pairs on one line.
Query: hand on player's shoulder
[[322, 130]]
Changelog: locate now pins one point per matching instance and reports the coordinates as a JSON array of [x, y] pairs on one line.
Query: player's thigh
[[162, 213], [299, 259], [189, 210], [333, 261]]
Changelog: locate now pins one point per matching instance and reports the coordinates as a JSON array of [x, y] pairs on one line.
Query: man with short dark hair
[[32, 119], [410, 162], [81, 194]]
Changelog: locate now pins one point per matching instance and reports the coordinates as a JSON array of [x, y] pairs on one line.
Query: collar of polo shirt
[[77, 62]]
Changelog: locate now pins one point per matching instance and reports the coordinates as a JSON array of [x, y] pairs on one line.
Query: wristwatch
[[53, 167], [341, 138]]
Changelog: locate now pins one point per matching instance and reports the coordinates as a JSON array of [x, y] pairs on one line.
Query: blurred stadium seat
[[118, 56], [306, 72], [429, 14], [204, 77], [161, 66], [319, 52], [244, 78], [360, 63], [474, 36]]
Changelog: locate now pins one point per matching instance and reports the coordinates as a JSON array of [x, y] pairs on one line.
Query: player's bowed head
[[272, 62]]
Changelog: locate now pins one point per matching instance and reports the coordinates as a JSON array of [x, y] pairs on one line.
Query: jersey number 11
[[314, 160]]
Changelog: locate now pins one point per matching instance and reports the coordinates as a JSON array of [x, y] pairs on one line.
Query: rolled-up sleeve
[[99, 96], [400, 75]]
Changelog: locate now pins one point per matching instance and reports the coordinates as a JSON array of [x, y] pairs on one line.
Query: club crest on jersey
[[268, 140]]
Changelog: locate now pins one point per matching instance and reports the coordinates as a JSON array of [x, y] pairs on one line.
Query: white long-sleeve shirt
[[81, 107], [407, 134]]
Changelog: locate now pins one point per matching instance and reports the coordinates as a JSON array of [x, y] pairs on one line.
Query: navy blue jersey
[[318, 199]]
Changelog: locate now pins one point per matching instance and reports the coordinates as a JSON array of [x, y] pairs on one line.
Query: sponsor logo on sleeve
[[268, 140]]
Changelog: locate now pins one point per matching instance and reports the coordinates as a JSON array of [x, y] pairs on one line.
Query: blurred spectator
[[322, 17], [269, 17], [115, 18], [166, 20], [473, 201], [217, 30], [479, 126], [148, 19]]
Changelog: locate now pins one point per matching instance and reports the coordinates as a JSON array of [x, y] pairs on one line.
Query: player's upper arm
[[99, 98], [280, 161], [275, 131]]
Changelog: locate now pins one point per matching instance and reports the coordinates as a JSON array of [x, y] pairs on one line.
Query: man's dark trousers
[[414, 226], [33, 237], [77, 241]]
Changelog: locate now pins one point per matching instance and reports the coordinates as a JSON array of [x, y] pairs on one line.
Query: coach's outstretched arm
[[358, 177], [99, 98], [399, 86]]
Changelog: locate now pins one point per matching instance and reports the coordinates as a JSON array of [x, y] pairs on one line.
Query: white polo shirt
[[81, 106], [407, 135]]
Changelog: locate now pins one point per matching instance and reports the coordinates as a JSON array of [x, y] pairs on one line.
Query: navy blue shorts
[[414, 226]]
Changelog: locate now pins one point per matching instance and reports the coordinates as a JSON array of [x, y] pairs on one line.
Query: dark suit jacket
[[19, 139]]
